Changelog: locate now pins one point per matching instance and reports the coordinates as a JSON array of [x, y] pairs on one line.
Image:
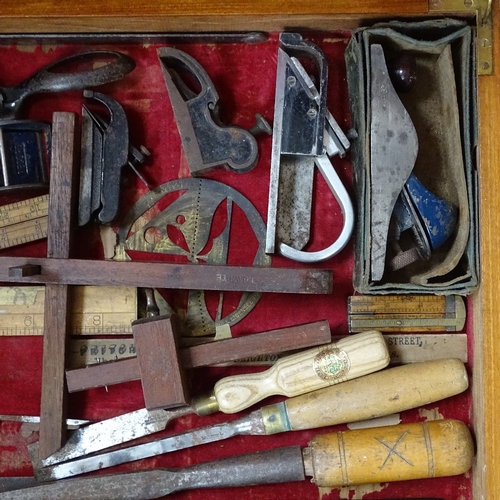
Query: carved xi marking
[[393, 450]]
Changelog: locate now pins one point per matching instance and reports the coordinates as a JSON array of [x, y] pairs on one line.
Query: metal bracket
[[482, 9]]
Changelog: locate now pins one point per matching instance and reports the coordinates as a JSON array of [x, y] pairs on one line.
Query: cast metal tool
[[383, 454], [105, 151], [430, 219], [305, 134], [412, 313], [207, 143], [393, 152], [25, 144], [52, 77], [399, 201], [396, 389]]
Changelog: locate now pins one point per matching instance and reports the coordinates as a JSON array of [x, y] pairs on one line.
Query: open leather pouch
[[441, 105]]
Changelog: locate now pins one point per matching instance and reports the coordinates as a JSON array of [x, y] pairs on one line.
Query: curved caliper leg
[[305, 134]]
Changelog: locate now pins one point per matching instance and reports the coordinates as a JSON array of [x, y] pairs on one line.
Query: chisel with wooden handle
[[408, 451], [306, 371], [375, 395], [299, 373]]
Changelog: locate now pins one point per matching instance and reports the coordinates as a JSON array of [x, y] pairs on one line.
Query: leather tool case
[[442, 107]]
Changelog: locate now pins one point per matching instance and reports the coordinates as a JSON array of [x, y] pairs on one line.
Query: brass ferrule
[[275, 418], [205, 404]]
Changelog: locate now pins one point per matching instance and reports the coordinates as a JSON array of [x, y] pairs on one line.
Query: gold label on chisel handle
[[331, 364]]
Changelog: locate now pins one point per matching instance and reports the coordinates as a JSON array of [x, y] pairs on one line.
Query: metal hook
[[341, 195]]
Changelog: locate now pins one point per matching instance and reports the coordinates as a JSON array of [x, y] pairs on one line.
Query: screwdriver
[[407, 451], [375, 395]]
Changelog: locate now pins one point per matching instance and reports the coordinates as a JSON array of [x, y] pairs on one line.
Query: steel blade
[[114, 431], [252, 424], [71, 423]]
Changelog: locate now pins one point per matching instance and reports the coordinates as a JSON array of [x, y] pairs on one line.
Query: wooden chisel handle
[[408, 451], [306, 371], [375, 395]]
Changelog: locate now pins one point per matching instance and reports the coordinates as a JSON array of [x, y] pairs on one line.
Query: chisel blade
[[252, 424], [110, 432], [279, 465]]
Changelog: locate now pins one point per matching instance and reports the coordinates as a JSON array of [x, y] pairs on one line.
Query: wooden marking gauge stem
[[53, 401]]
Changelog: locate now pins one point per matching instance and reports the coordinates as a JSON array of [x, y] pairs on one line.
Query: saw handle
[[437, 448], [306, 371]]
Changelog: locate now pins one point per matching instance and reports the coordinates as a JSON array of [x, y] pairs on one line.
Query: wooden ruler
[[406, 313], [24, 221], [95, 310]]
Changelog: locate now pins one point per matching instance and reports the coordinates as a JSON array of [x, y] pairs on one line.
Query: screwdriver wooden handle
[[375, 395], [306, 371], [408, 451]]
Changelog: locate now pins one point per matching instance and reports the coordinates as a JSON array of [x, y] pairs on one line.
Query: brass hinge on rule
[[482, 9]]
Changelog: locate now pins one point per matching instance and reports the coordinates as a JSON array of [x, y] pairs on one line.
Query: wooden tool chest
[[35, 34]]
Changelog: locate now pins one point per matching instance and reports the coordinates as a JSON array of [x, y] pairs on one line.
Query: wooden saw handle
[[408, 451], [306, 371]]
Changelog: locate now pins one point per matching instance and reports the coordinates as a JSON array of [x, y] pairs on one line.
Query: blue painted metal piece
[[437, 216]]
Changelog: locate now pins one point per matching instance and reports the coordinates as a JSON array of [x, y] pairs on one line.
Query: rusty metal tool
[[206, 142], [25, 144], [305, 134], [53, 78], [384, 454], [398, 389], [105, 151]]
